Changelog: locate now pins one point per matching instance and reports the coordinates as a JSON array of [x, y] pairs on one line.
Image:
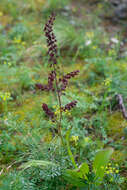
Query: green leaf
[[101, 159], [78, 176], [36, 163], [73, 178], [84, 169], [69, 149]]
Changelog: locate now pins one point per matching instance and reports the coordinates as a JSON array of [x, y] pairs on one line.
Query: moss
[[119, 156], [116, 124]]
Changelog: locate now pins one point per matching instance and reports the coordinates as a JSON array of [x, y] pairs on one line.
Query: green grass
[[25, 132]]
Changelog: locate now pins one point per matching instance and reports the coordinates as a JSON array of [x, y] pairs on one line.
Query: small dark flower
[[70, 105], [47, 111], [51, 79], [65, 79], [40, 86], [49, 86]]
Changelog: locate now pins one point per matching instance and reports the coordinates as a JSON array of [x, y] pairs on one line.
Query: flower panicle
[[66, 77], [51, 40], [47, 111], [70, 105], [49, 86]]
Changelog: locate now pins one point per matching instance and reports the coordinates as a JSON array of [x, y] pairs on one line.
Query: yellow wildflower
[[86, 139], [17, 40], [4, 96], [74, 138], [102, 167], [23, 43], [100, 6], [1, 14], [116, 171], [94, 47], [5, 62], [110, 171], [67, 113], [107, 82], [89, 35], [111, 179], [111, 52]]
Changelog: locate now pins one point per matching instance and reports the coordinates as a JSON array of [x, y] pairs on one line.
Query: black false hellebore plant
[[54, 83]]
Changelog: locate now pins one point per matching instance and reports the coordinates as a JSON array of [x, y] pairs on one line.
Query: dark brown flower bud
[[70, 105], [51, 39], [47, 111], [65, 79]]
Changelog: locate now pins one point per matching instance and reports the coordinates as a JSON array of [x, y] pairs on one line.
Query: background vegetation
[[89, 41]]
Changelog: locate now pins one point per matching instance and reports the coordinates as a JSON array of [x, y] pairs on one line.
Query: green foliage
[[100, 162], [82, 177], [27, 138]]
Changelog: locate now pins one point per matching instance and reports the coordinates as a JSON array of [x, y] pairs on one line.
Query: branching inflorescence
[[54, 83]]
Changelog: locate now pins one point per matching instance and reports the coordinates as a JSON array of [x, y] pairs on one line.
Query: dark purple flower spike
[[51, 40], [65, 78], [70, 105], [47, 111]]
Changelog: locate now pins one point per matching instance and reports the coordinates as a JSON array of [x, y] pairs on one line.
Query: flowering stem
[[60, 105]]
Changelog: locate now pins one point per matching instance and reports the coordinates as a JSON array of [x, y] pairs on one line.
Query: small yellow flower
[[17, 40], [111, 52], [107, 82], [94, 47], [116, 165], [116, 171], [109, 164], [111, 179], [74, 138], [89, 35], [86, 139], [23, 43], [4, 96], [1, 14], [100, 6], [102, 167], [67, 113], [110, 171], [9, 63], [107, 172]]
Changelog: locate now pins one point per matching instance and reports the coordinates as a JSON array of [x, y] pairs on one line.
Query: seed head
[[51, 40]]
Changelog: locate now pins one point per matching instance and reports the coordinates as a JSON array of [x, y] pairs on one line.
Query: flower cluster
[[107, 81], [18, 40], [112, 170], [109, 169], [47, 111], [65, 78], [1, 14], [49, 86], [61, 83], [70, 105], [7, 63], [5, 96], [74, 139], [51, 40]]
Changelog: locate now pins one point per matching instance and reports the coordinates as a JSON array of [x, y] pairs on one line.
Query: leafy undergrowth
[[97, 122]]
